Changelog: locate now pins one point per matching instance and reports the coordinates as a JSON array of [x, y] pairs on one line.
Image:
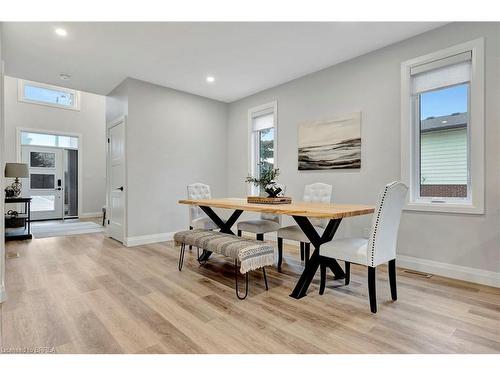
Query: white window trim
[[409, 154], [252, 146], [21, 98]]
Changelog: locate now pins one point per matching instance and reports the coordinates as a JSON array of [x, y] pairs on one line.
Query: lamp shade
[[19, 170]]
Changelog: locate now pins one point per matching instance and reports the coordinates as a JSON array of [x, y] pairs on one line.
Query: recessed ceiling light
[[210, 79], [64, 77], [444, 122], [61, 32]]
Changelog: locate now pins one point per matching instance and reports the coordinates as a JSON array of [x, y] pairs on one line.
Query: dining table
[[301, 212]]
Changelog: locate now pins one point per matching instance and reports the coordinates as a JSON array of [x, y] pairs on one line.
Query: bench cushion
[[250, 253]]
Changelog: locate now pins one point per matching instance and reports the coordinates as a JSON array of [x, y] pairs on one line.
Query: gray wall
[[371, 84], [173, 139], [89, 122], [117, 102]]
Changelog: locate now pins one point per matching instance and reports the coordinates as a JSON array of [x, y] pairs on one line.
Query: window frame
[[21, 98], [253, 141], [410, 138]]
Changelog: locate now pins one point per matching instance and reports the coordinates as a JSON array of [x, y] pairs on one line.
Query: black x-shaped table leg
[[225, 227], [315, 260]]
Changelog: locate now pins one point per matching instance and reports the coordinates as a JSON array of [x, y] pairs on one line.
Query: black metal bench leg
[[181, 256], [265, 277], [239, 233], [190, 246], [307, 252], [302, 251], [372, 290], [322, 279], [236, 281]]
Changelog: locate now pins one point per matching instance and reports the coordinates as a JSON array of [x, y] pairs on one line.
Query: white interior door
[[45, 182], [116, 181]]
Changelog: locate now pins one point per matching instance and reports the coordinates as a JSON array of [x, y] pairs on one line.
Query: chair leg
[[190, 246], [372, 290], [280, 252], [347, 273], [236, 281], [181, 256], [302, 251], [239, 233], [265, 277], [307, 251], [392, 279], [260, 236], [323, 279]]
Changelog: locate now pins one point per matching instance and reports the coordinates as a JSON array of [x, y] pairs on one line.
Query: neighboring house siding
[[444, 157]]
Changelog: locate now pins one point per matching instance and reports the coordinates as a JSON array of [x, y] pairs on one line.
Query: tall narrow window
[[263, 143], [443, 123]]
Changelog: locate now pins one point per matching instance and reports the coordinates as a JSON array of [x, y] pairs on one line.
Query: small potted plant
[[267, 182]]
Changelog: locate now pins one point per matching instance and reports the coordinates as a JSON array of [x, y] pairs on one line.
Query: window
[[49, 140], [263, 150], [42, 159], [42, 181], [442, 130], [54, 96], [43, 203]]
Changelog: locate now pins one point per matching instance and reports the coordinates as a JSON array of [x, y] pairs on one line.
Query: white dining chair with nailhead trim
[[313, 193], [378, 249]]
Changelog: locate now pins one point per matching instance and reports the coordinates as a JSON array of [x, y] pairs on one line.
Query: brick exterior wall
[[457, 191]]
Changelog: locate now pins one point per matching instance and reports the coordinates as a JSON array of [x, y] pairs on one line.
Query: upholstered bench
[[250, 254]]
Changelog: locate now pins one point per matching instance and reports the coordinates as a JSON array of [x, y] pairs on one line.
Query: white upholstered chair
[[197, 218], [379, 248], [267, 223], [314, 193]]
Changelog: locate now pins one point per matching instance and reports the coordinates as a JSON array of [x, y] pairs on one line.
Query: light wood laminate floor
[[89, 294]]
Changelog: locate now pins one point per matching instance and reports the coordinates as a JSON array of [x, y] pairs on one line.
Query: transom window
[[442, 127], [54, 96], [263, 152], [49, 140]]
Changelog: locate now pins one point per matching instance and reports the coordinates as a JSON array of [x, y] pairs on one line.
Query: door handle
[[58, 188], [120, 188]]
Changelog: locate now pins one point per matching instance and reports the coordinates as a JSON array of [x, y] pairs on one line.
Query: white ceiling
[[243, 57]]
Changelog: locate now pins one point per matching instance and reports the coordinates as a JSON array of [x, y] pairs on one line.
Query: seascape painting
[[331, 144]]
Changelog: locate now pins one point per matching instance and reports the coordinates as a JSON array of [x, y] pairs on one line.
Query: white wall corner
[[148, 239], [3, 294], [453, 271]]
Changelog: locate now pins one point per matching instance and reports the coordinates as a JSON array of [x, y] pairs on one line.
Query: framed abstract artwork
[[330, 144]]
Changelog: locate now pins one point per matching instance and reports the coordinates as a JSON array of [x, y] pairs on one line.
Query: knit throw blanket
[[251, 254]]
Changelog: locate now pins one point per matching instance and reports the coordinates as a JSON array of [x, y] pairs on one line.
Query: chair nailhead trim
[[376, 224]]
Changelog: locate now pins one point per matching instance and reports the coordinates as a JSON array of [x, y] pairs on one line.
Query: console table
[[21, 233]]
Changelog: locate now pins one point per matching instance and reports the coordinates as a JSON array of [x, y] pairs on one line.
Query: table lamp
[[17, 171]]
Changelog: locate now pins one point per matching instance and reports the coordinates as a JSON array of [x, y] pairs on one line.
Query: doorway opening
[[53, 161]]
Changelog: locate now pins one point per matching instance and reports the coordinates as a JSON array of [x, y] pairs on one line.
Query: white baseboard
[[87, 215], [147, 239], [453, 271]]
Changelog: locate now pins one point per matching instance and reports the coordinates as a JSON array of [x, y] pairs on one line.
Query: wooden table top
[[319, 210]]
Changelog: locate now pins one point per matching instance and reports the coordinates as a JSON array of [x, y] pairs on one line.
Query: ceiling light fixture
[[61, 32], [64, 76], [210, 79]]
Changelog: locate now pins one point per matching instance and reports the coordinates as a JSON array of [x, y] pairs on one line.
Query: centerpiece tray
[[269, 200]]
